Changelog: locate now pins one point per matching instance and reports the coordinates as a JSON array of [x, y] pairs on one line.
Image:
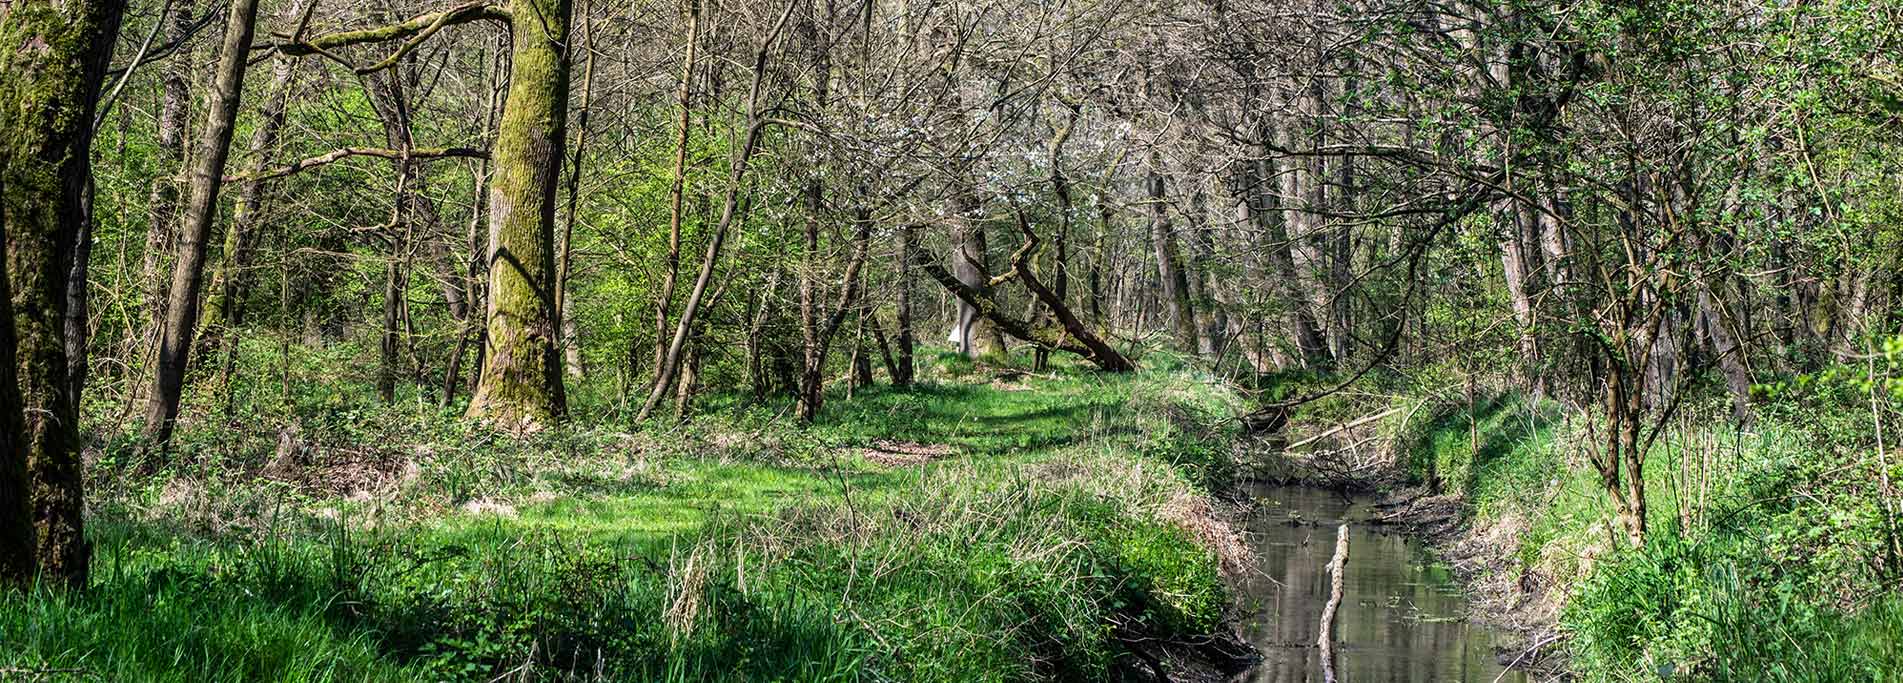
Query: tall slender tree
[[188, 273]]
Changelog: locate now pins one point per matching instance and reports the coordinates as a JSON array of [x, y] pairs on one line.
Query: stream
[[1402, 616]]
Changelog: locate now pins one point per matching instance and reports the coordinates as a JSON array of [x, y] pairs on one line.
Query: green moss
[[521, 383]]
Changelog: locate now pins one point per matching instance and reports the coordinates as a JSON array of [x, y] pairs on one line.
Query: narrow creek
[[1402, 617]]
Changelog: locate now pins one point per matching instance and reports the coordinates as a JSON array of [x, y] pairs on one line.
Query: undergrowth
[[983, 526], [1772, 553]]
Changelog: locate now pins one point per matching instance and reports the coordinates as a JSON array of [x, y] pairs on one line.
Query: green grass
[[1766, 558], [1047, 529]]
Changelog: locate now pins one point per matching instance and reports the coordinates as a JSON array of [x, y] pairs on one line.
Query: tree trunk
[[53, 57], [902, 363], [1169, 269], [763, 312], [162, 207], [819, 335], [1514, 252], [1060, 187], [812, 383], [18, 534], [1731, 357], [474, 234], [1075, 337], [521, 386], [1106, 218], [971, 334], [861, 358], [1856, 315], [188, 275], [689, 383], [233, 277], [684, 99], [387, 342], [1212, 322], [78, 297], [729, 210], [1274, 220]]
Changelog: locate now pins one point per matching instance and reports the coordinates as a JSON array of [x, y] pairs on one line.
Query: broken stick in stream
[[1334, 602]]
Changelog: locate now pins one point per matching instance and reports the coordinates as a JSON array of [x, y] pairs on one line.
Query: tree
[[188, 275], [229, 283], [54, 59], [520, 381]]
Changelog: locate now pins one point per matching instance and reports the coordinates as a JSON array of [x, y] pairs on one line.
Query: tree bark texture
[[521, 385], [1181, 313], [188, 274], [53, 60]]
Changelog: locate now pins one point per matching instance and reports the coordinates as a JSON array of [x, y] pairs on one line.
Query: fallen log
[[1073, 337]]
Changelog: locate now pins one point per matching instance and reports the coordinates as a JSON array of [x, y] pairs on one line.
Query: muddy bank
[[1216, 658], [1500, 593]]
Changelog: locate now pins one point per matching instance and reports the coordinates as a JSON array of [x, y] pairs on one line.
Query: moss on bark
[[54, 60], [521, 381]]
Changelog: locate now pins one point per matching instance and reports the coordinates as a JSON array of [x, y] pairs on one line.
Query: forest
[[951, 340]]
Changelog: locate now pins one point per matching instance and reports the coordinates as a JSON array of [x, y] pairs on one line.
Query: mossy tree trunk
[[55, 56], [521, 382], [17, 547]]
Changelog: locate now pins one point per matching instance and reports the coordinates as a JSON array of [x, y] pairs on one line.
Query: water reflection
[[1400, 618]]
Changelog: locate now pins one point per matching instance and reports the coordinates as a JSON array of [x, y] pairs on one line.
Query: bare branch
[[348, 152]]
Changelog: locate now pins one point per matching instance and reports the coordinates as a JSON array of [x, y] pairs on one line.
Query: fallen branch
[[1343, 427], [1101, 353], [1074, 337], [1516, 660], [1334, 602], [347, 152]]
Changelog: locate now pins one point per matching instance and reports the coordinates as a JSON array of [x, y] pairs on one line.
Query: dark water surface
[[1401, 617]]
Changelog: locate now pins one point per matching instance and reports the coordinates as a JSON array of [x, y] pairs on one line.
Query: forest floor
[[983, 526]]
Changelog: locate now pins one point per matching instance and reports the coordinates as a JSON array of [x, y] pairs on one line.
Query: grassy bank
[[971, 529], [1771, 553]]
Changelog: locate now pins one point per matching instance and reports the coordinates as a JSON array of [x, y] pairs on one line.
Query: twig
[[1344, 426], [105, 106], [1516, 660]]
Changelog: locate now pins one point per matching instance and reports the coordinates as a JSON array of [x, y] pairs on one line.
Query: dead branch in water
[[1334, 602]]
